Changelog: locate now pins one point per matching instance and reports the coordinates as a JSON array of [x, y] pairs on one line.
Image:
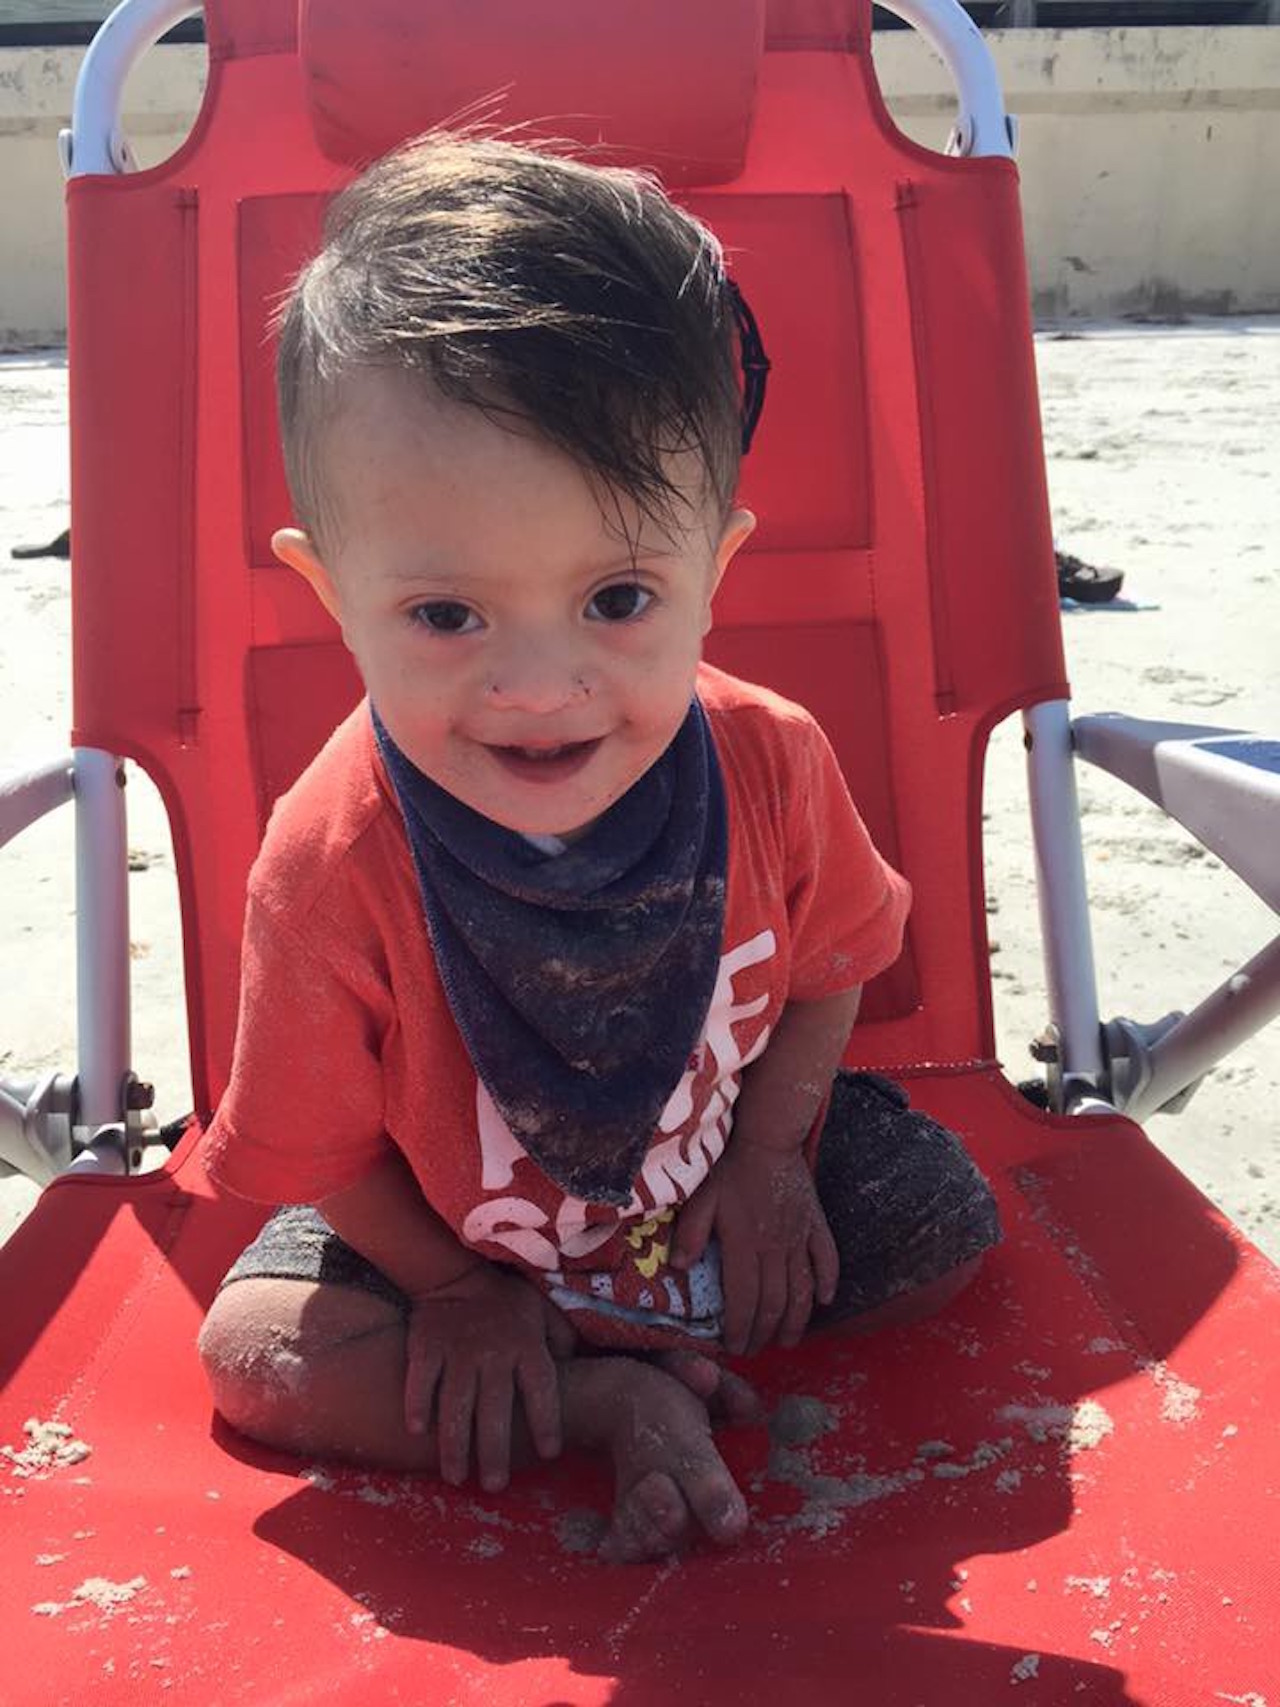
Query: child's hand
[[776, 1251], [472, 1344]]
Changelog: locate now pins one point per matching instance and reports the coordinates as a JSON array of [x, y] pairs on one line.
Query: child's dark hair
[[575, 298]]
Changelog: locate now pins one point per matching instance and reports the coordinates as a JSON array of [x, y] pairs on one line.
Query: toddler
[[552, 954]]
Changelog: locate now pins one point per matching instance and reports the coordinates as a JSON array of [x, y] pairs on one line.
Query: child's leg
[[318, 1368], [913, 1306], [910, 1214], [314, 1369]]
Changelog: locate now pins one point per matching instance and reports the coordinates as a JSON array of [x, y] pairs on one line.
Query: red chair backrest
[[900, 584]]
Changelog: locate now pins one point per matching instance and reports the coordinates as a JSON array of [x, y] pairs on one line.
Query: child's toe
[[737, 1400], [716, 1500], [694, 1371], [651, 1520]]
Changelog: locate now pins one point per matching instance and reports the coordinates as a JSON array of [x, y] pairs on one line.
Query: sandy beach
[[1156, 440]]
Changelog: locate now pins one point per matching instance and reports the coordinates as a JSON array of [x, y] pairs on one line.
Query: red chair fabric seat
[[1058, 1487]]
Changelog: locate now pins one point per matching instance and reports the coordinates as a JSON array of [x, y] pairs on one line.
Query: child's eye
[[620, 602], [446, 616]]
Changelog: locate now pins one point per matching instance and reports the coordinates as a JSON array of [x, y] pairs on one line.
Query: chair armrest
[[95, 780], [1221, 784], [29, 795]]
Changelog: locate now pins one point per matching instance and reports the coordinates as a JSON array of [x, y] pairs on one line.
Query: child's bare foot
[[671, 1481]]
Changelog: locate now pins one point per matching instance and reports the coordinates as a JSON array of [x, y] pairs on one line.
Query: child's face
[[514, 650]]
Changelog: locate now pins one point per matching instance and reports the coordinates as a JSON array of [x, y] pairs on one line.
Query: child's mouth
[[546, 764]]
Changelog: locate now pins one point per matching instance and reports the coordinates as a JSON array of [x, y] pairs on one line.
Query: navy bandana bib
[[579, 981]]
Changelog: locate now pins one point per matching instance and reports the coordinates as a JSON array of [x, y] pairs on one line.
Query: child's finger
[[693, 1227], [562, 1337], [422, 1373], [457, 1409], [494, 1401], [727, 1396], [771, 1300], [826, 1259], [736, 1400], [741, 1292], [799, 1299], [540, 1390]]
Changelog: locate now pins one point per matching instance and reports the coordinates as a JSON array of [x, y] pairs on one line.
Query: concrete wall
[[1149, 161]]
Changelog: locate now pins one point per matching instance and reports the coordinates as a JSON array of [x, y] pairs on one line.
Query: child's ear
[[295, 548], [738, 529]]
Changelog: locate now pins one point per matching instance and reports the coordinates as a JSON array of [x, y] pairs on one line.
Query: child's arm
[[783, 1091], [476, 1334], [777, 1253], [385, 1217]]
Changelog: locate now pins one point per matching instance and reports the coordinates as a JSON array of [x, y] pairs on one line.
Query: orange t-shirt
[[346, 1043]]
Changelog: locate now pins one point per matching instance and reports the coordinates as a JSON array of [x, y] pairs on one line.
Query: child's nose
[[538, 679]]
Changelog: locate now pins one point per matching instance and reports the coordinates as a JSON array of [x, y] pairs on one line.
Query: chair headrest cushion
[[814, 25], [662, 83]]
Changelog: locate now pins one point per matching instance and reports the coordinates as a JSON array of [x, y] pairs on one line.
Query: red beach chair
[[1057, 1491]]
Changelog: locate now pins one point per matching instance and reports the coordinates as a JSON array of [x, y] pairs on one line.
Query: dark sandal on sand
[[60, 547], [1084, 582]]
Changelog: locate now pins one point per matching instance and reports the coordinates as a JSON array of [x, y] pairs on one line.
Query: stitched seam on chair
[[906, 204], [188, 709]]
